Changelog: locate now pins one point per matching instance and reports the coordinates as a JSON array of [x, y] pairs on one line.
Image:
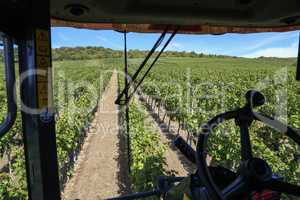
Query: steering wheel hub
[[256, 169]]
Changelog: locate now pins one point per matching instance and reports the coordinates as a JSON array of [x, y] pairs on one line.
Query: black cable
[[153, 63], [156, 45]]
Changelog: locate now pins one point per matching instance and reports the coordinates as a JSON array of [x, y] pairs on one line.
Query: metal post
[[37, 106], [126, 99], [10, 118], [298, 62]]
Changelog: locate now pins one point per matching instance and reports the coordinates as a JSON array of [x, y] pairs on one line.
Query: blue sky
[[244, 45]]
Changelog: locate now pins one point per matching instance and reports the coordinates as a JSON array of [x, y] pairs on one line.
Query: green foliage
[[78, 86], [194, 90], [147, 151]]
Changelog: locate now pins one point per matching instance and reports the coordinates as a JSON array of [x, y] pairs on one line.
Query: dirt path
[[176, 162], [172, 129], [102, 170]]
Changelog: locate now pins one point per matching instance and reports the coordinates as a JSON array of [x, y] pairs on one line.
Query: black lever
[[10, 86], [185, 149]]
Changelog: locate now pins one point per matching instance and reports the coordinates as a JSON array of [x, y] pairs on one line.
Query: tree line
[[89, 52], [81, 53]]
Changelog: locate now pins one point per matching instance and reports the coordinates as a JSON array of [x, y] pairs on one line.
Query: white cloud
[[108, 42], [280, 52], [102, 38], [175, 46], [266, 42], [56, 45], [63, 37], [270, 40]]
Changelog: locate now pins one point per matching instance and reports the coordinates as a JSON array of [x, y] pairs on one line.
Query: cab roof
[[193, 16]]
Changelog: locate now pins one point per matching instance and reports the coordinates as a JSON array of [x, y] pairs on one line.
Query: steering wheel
[[254, 174]]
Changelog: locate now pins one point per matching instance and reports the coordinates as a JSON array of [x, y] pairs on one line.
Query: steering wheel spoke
[[236, 188], [246, 149], [283, 187]]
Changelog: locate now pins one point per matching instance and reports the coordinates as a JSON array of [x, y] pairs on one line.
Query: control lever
[[185, 149]]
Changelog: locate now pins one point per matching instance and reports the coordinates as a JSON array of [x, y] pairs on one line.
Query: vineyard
[[193, 90], [190, 90], [75, 104]]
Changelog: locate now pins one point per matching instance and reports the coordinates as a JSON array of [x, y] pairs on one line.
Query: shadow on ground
[[124, 182]]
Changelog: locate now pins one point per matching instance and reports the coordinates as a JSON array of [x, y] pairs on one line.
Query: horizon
[[251, 45], [187, 52]]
